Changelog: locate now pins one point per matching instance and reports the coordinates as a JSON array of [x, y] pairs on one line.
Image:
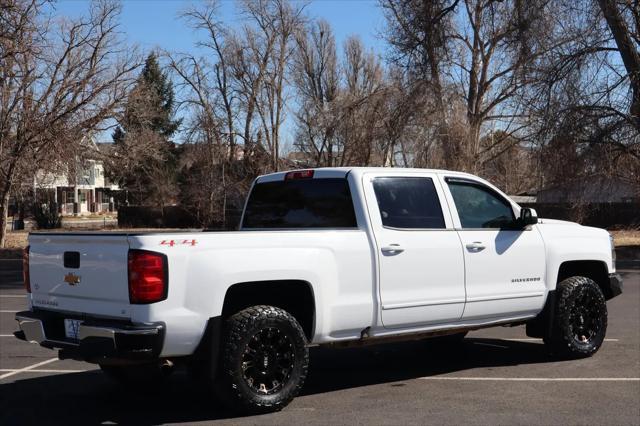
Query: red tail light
[[299, 174], [148, 275], [25, 270]]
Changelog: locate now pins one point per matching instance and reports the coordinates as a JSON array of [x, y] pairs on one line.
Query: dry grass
[[17, 239], [627, 237]]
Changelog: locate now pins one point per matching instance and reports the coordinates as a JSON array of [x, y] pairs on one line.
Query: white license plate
[[72, 328]]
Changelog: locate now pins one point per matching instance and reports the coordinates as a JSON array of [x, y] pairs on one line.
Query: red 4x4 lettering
[[172, 243]]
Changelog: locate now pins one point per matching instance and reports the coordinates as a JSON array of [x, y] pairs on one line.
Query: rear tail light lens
[[148, 275], [25, 269], [299, 174]]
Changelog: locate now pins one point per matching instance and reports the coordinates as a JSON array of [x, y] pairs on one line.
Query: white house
[[83, 189]]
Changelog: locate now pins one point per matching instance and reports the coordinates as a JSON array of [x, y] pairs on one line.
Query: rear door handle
[[392, 249], [475, 246]]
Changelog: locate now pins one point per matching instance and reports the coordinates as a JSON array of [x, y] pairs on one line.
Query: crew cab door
[[420, 259], [504, 263]]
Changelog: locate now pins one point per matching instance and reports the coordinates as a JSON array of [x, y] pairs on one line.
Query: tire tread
[[237, 328]]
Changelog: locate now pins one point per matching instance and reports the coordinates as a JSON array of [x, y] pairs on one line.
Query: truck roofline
[[340, 172]]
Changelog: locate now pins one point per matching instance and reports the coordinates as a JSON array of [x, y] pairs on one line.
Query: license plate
[[72, 328]]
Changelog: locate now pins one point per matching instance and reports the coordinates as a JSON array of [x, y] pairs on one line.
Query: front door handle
[[475, 246], [392, 249]]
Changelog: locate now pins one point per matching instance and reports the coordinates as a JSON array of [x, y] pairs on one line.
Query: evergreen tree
[[146, 162]]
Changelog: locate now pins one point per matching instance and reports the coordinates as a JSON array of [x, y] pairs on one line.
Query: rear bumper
[[615, 284], [98, 339]]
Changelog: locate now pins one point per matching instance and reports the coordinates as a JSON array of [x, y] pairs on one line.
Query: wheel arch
[[594, 269], [294, 296]]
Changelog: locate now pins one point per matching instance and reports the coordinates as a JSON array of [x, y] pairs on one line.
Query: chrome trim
[[32, 329], [393, 228], [505, 297], [421, 304], [89, 331], [145, 332], [34, 332], [109, 333]]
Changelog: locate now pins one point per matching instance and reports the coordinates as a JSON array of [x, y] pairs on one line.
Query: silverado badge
[[72, 279]]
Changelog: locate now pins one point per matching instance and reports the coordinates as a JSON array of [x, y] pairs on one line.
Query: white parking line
[[7, 335], [536, 379], [9, 370], [31, 367], [13, 295], [8, 312]]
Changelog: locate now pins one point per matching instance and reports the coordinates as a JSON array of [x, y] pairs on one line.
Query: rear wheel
[[264, 360], [580, 320]]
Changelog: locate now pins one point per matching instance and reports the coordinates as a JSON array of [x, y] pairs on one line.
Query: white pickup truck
[[329, 256]]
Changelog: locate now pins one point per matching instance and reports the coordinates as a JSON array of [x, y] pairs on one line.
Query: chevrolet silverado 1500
[[329, 256]]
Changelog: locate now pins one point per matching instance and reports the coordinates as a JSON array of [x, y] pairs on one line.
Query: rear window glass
[[303, 203], [408, 203]]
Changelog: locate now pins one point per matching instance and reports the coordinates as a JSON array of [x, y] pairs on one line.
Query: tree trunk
[[4, 212], [628, 53]]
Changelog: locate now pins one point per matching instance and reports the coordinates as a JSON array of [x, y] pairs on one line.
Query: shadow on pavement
[[89, 398]]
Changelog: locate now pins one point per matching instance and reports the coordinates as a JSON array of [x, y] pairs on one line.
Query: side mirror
[[527, 217]]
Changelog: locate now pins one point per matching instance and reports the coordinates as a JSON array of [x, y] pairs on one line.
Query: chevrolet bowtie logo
[[72, 279]]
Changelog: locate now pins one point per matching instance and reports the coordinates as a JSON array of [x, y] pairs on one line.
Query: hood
[[544, 221]]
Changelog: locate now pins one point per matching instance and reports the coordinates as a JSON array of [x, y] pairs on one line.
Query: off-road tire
[[580, 319], [243, 333]]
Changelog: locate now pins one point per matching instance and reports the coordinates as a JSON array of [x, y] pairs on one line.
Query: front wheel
[[580, 321], [265, 360]]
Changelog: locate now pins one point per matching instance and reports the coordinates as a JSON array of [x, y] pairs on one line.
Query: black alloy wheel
[[264, 360], [586, 316], [580, 320], [268, 361]]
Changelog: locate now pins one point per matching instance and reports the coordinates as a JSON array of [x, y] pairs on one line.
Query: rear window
[[302, 203], [408, 202]]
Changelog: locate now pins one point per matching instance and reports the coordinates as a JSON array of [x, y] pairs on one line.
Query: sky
[[154, 24]]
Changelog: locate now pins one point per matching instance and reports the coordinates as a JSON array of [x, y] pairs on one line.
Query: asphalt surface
[[497, 376]]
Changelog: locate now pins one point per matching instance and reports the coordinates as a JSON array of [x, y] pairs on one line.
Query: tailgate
[[80, 273]]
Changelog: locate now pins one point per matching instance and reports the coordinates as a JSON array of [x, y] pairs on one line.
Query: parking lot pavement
[[497, 375]]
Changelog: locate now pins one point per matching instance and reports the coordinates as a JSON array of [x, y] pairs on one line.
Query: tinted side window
[[479, 207], [304, 203], [408, 203]]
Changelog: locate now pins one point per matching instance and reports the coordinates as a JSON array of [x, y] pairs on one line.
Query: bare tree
[[278, 20], [316, 79], [471, 54], [236, 96], [581, 106], [361, 104], [340, 101], [627, 39], [57, 84]]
